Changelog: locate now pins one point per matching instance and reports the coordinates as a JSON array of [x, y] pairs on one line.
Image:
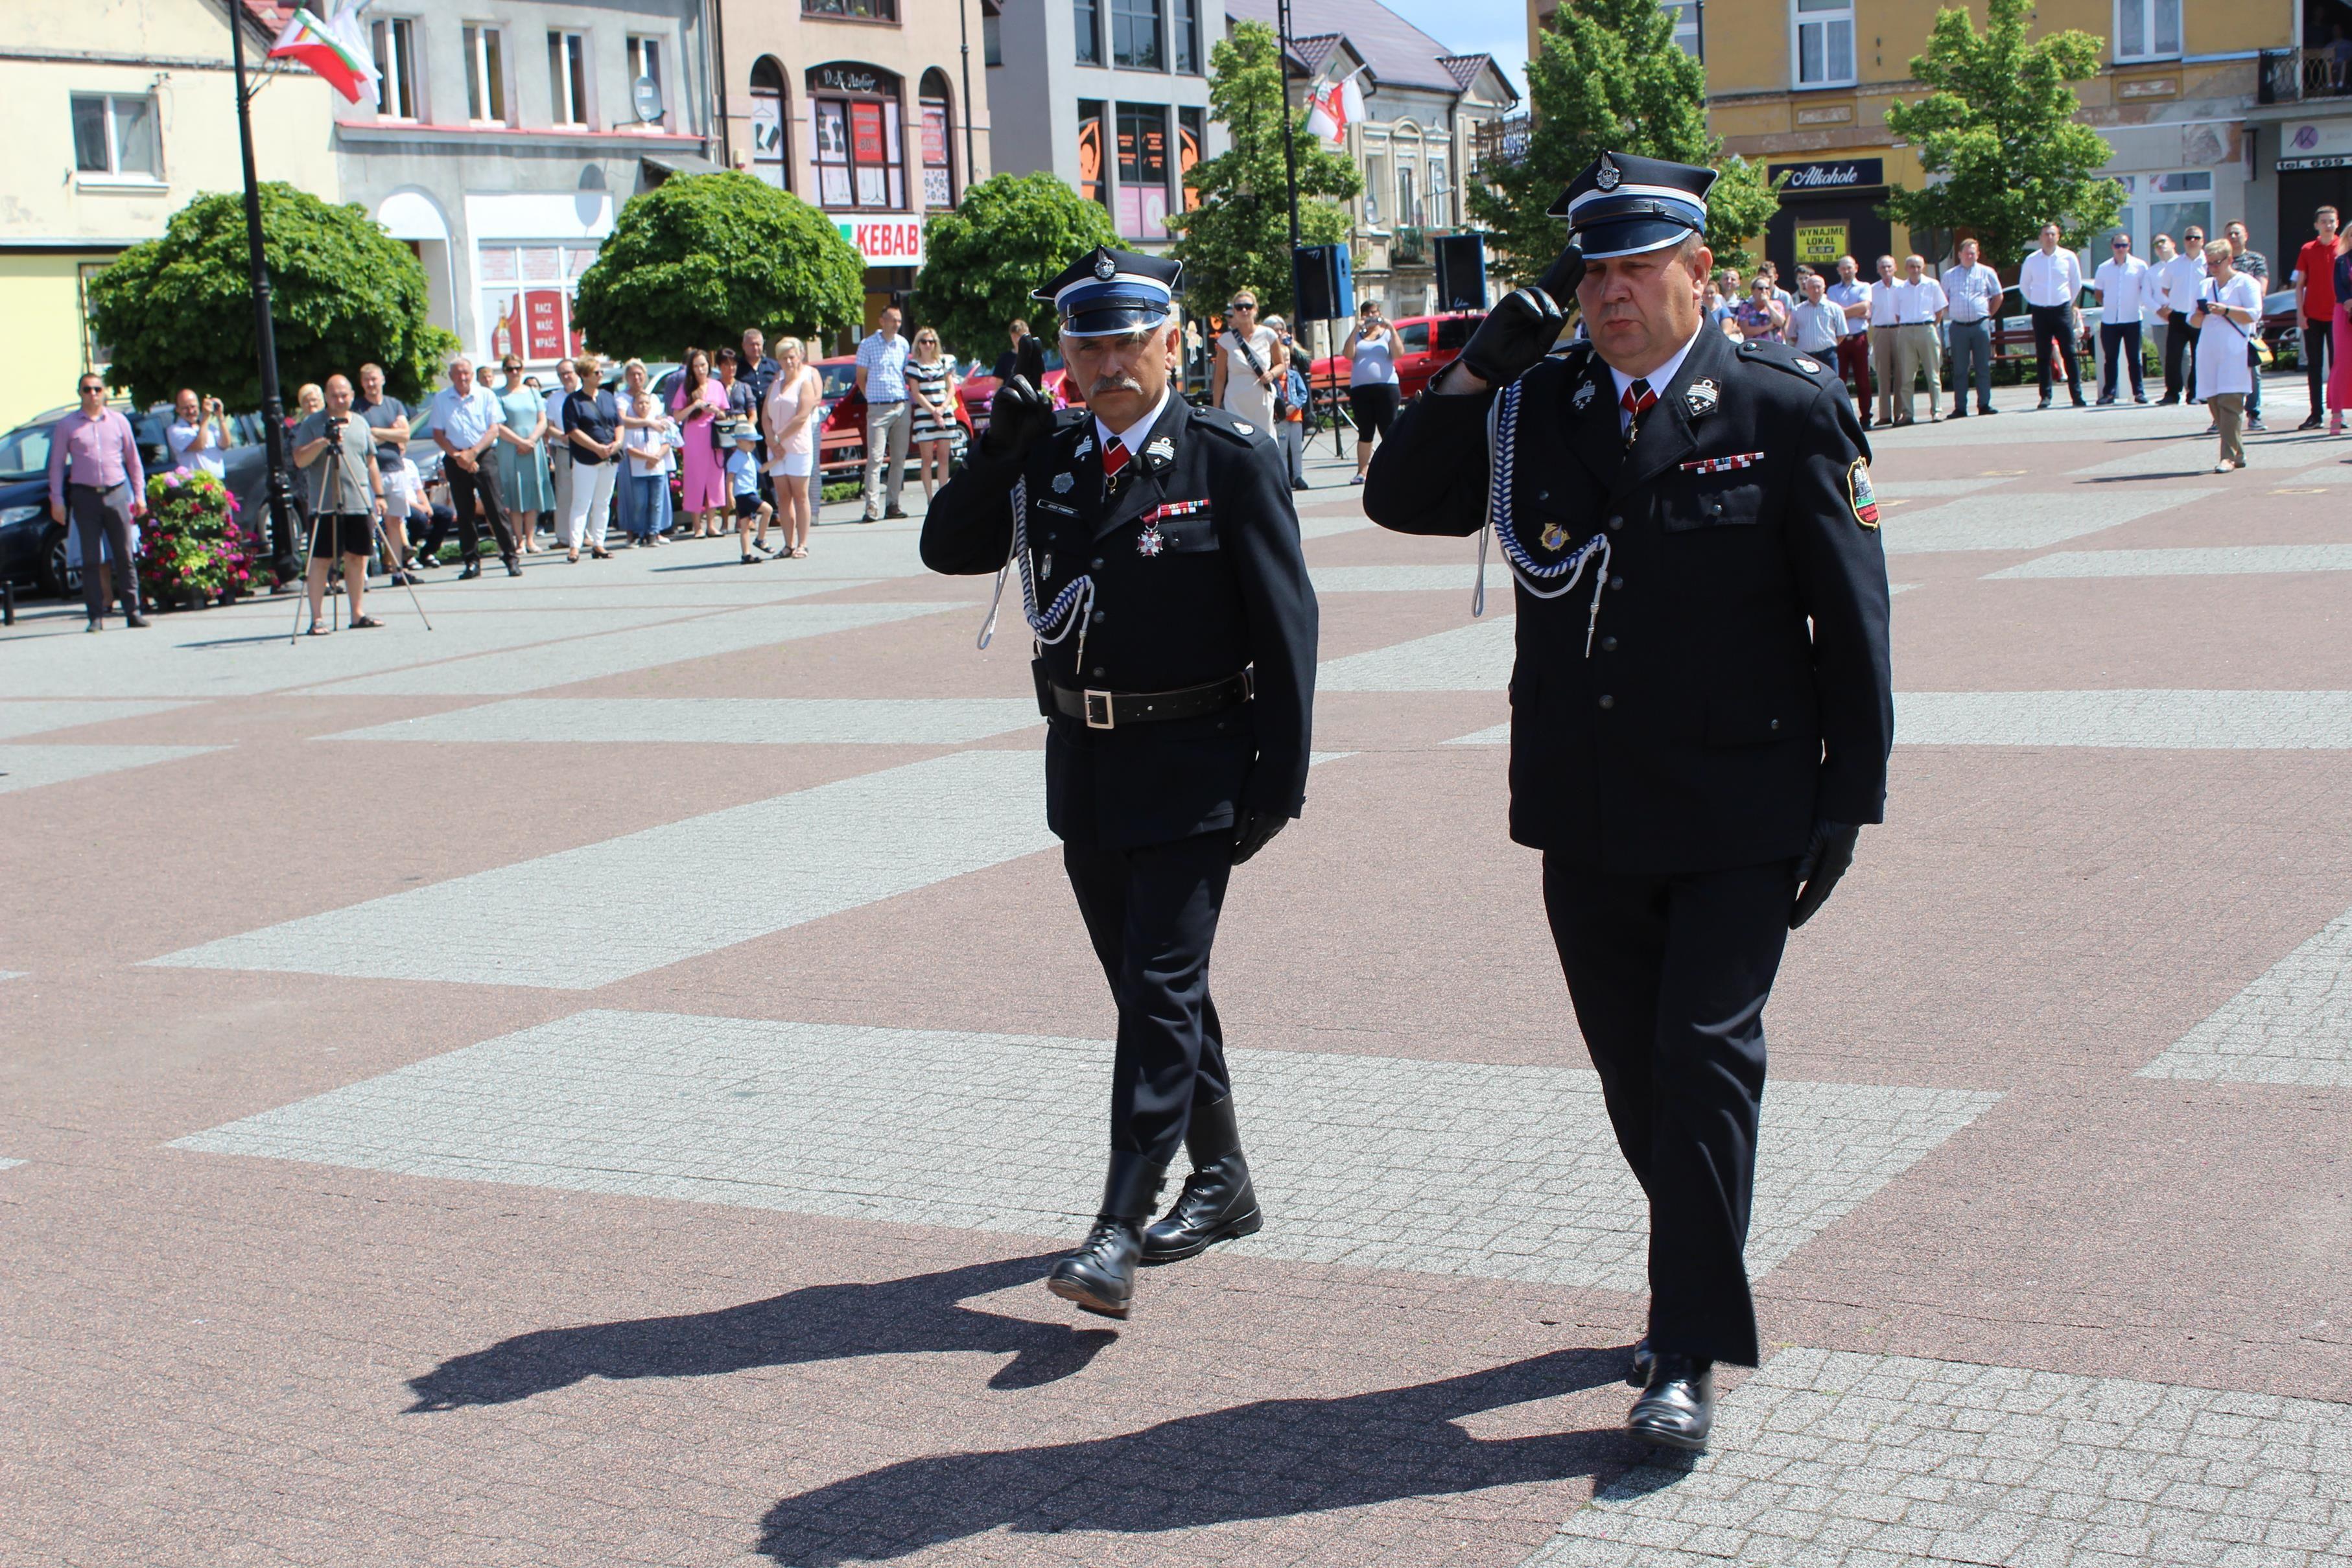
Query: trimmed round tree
[[702, 257], [178, 310], [982, 260]]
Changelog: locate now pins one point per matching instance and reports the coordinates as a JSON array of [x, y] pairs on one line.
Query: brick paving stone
[[2292, 1026], [34, 717], [23, 766], [2210, 560], [2198, 720], [2095, 1446], [1972, 526], [719, 721], [1446, 1167]]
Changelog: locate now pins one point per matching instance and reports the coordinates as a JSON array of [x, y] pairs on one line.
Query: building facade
[[1112, 96], [503, 138], [124, 110], [874, 110], [1803, 85]]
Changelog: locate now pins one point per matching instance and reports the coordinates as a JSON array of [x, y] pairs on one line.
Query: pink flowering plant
[[191, 543]]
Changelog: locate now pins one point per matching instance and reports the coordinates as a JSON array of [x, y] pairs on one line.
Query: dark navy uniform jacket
[[1738, 685], [1198, 575]]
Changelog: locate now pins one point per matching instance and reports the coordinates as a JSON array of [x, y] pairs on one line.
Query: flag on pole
[[1332, 109], [336, 51]]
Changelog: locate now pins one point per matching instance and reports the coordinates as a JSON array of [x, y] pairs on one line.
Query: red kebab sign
[[885, 242]]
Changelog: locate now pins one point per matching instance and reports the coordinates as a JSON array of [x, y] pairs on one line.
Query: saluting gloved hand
[[1019, 416], [1257, 831], [1827, 856], [1518, 332]]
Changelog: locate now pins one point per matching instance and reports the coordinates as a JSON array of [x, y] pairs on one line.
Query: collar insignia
[[1583, 397], [1813, 367], [1608, 174], [1062, 483], [1703, 395], [1150, 542], [1085, 445], [1164, 449], [1105, 268], [1246, 429]]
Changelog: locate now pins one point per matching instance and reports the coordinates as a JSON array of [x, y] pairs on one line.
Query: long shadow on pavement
[[1269, 1459], [821, 1322]]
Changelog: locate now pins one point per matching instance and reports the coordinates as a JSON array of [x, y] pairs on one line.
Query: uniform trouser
[[887, 425], [2119, 340], [1883, 346], [1971, 364], [2228, 409], [1917, 351], [1152, 914], [2312, 343], [1854, 364], [2179, 358], [585, 520], [1669, 977], [2054, 331], [473, 491], [101, 517]]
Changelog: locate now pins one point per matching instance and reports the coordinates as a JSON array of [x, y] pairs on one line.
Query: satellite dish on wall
[[647, 98]]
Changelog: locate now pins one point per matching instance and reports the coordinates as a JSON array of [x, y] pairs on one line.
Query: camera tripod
[[330, 484]]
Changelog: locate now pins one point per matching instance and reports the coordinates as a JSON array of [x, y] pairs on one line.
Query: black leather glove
[[1827, 858], [1517, 334], [1019, 416], [1567, 271], [1257, 831]]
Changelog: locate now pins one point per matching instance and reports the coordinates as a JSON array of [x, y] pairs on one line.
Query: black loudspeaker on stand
[[1323, 285], [1461, 272]]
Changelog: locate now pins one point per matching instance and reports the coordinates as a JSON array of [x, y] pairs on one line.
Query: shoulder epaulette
[[1222, 421], [1764, 351]]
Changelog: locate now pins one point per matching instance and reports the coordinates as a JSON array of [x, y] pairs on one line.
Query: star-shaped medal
[[1149, 543]]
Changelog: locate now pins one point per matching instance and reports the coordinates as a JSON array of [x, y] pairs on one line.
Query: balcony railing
[[2290, 76], [1411, 244]]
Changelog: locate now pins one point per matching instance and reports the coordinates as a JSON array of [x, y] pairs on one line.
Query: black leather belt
[[1114, 710]]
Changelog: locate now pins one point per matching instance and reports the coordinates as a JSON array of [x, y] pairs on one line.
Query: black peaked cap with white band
[[1107, 291], [1623, 206]]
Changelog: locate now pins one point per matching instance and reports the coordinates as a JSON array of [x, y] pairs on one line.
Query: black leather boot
[[1217, 1203], [1100, 1275], [1677, 1409]]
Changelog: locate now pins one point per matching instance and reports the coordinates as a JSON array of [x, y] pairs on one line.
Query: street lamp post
[[273, 407]]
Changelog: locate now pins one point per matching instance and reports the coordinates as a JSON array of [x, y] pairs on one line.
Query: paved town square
[[601, 1081]]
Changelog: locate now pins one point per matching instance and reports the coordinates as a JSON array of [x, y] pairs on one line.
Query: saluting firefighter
[[1161, 577], [1701, 709]]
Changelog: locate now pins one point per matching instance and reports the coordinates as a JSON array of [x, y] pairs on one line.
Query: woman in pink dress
[[697, 401]]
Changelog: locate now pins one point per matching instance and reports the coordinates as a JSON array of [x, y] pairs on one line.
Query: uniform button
[[1098, 616], [1097, 565], [1776, 724], [1616, 582], [1716, 509], [1099, 672], [1609, 645], [1615, 524], [1608, 701]]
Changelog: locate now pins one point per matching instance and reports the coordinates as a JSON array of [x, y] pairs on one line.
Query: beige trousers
[[2229, 411], [1915, 350], [1883, 341]]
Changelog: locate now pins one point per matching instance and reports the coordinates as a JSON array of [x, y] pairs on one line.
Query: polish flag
[[336, 51], [1330, 112]]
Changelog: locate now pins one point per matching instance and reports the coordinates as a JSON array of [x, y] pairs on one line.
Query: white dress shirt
[[2053, 279], [1974, 292], [1658, 380], [2121, 285], [1882, 304], [1916, 304], [2183, 277], [1844, 294], [1136, 434]]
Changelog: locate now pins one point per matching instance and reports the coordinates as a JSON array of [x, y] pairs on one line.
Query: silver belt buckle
[[1099, 715]]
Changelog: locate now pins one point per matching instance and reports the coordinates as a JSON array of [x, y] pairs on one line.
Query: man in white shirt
[[1851, 297], [2151, 296], [1882, 327], [2052, 281], [1974, 293], [2183, 277], [464, 422], [2120, 281], [1919, 305]]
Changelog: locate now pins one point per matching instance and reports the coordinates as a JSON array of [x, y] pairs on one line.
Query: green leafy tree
[[700, 257], [1610, 76], [177, 311], [1997, 124], [982, 259], [1239, 236]]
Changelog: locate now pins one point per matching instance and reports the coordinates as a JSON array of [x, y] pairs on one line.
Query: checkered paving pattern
[[1506, 1172], [486, 1150], [1832, 1459]]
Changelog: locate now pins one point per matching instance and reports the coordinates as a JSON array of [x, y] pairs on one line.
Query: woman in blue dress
[[524, 476]]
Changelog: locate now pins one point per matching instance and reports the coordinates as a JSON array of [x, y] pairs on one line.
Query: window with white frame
[[1440, 199], [646, 62], [1686, 15], [1408, 207], [1824, 42], [567, 73], [1376, 175], [115, 137], [485, 76], [2147, 29], [395, 41]]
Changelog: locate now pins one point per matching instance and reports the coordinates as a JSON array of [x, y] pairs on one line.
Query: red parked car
[[841, 438], [1426, 345]]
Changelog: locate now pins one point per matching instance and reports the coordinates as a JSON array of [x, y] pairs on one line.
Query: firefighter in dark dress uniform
[[1160, 571], [1701, 707]]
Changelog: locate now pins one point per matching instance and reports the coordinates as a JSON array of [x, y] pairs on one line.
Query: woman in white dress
[[2229, 310], [1249, 365], [795, 405]]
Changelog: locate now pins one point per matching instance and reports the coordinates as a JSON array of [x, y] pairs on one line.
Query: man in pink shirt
[[105, 488]]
